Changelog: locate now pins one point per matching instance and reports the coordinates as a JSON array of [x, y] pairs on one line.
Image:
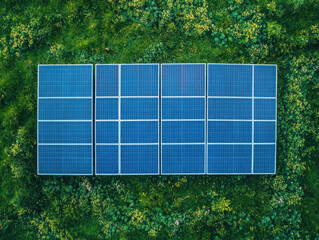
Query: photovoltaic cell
[[183, 108], [230, 80], [264, 158], [264, 132], [183, 159], [107, 108], [107, 80], [229, 159], [65, 133], [265, 80], [65, 159], [107, 132], [183, 118], [108, 159], [139, 132], [139, 108], [229, 132], [65, 109], [265, 109], [139, 80], [183, 79], [139, 159], [65, 80], [183, 131], [230, 108]]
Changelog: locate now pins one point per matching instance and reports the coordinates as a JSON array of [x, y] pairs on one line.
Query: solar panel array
[[65, 125], [224, 123]]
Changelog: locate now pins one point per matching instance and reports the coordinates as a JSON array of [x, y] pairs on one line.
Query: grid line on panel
[[276, 124], [240, 97], [182, 120], [159, 119], [183, 96], [252, 125], [38, 120], [59, 144], [206, 122], [94, 137], [119, 120], [65, 120], [201, 143], [64, 97]]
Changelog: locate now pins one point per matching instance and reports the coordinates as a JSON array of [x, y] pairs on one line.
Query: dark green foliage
[[282, 206]]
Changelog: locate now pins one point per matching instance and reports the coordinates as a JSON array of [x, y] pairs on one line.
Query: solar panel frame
[[129, 120], [253, 120], [204, 120], [92, 136]]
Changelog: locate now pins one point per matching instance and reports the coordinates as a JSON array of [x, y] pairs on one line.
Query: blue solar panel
[[65, 81], [139, 159], [183, 79], [139, 79], [107, 132], [230, 108], [183, 108], [107, 159], [107, 77], [183, 118], [229, 159], [65, 109], [139, 108], [139, 132], [264, 158], [229, 132], [241, 116], [265, 80], [264, 132], [265, 109], [65, 133], [183, 131], [107, 108], [65, 159], [183, 159], [229, 80], [129, 145]]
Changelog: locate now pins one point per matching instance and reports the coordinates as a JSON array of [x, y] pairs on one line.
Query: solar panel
[[127, 119], [65, 134], [183, 118], [241, 124]]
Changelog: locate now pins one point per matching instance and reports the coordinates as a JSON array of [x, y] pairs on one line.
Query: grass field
[[281, 206]]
